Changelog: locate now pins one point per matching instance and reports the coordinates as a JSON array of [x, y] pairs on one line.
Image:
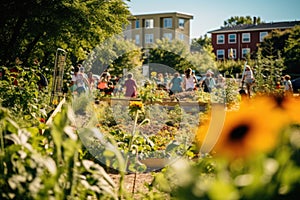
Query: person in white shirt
[[248, 78], [73, 85], [189, 80], [288, 87]]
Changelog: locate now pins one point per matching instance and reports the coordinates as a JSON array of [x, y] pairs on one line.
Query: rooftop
[[178, 14], [254, 27]]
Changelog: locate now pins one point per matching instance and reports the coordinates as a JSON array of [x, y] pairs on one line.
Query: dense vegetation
[[68, 155]]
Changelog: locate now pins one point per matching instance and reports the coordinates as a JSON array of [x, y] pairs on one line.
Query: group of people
[[79, 81], [249, 80], [82, 82], [189, 82]]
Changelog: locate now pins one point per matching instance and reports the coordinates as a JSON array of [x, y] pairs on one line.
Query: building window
[[220, 39], [149, 23], [232, 53], [169, 36], [246, 37], [245, 51], [181, 36], [167, 22], [137, 23], [148, 38], [232, 38], [180, 23], [262, 35], [220, 54], [137, 39]]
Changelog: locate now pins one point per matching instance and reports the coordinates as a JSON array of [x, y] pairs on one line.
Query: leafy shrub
[[22, 96], [56, 172]]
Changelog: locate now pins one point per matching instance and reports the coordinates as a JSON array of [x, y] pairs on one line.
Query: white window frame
[[149, 23], [245, 51], [262, 35], [137, 23], [168, 36], [220, 39], [168, 22], [234, 53], [137, 39], [246, 37], [149, 38], [220, 52], [181, 23], [233, 39]]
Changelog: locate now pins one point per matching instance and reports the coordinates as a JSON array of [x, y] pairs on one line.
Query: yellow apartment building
[[145, 29]]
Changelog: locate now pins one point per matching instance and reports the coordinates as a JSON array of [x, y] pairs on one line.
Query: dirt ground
[[141, 180]]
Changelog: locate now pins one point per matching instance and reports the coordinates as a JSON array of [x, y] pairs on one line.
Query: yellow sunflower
[[153, 74], [201, 133], [136, 105], [252, 129], [288, 107]]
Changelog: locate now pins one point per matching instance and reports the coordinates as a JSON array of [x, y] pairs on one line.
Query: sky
[[210, 14]]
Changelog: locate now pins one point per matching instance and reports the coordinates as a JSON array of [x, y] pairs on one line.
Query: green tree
[[32, 29], [286, 44], [274, 42], [174, 54], [114, 54], [201, 42], [177, 55], [292, 51], [237, 20], [267, 71]]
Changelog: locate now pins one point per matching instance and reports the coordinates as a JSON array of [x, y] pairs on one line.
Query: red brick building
[[239, 40]]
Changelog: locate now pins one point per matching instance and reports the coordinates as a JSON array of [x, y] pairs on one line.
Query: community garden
[[150, 147], [56, 144]]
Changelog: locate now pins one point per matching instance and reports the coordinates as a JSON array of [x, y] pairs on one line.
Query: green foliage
[[292, 51], [285, 44], [199, 43], [267, 72], [231, 92], [176, 54], [274, 175], [170, 53], [22, 95], [231, 67], [56, 172], [35, 29], [274, 42], [237, 20], [149, 93], [114, 54]]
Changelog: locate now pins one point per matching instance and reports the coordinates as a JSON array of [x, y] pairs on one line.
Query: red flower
[[43, 120]]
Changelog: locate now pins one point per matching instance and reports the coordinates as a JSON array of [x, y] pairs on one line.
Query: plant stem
[[1, 138], [134, 180], [122, 173], [132, 136]]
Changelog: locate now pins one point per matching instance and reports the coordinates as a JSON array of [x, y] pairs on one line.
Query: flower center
[[238, 132]]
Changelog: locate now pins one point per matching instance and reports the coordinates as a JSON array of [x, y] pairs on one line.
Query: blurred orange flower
[[254, 128]]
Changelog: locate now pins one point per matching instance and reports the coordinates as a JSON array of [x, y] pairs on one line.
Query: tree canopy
[[176, 54], [237, 20], [284, 44], [114, 54], [33, 29]]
